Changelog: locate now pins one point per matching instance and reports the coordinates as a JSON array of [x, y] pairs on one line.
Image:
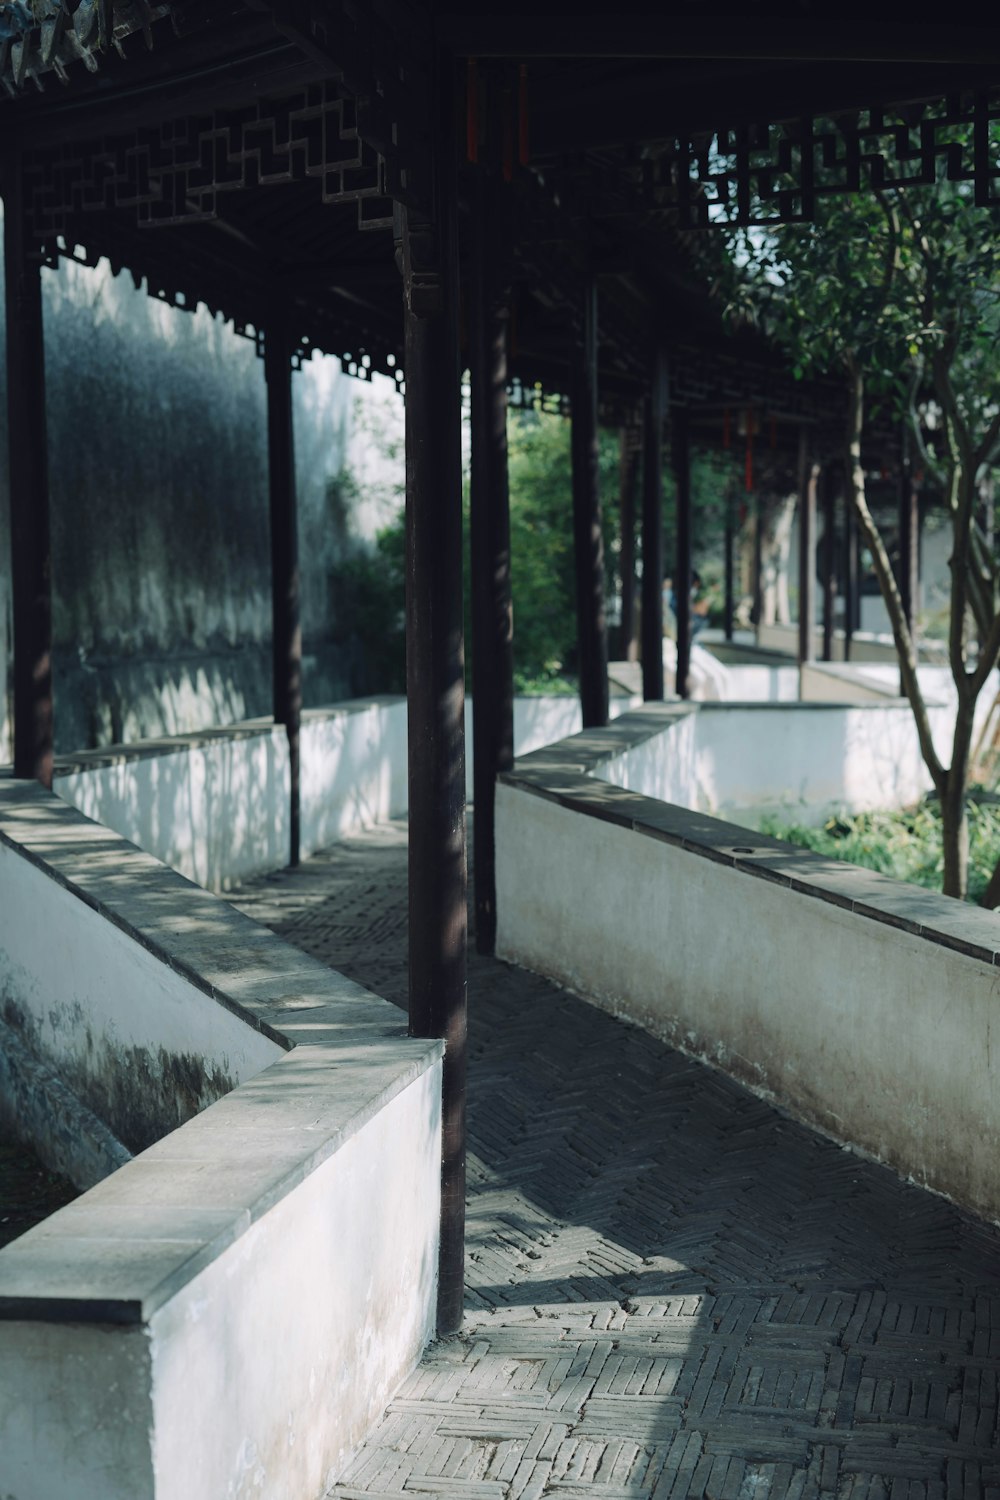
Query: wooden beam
[[588, 538], [490, 585], [435, 680], [31, 552], [286, 632], [604, 35]]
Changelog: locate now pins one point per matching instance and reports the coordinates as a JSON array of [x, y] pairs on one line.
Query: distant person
[[699, 603]]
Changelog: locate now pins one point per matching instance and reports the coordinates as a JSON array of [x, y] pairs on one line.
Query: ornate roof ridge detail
[[41, 37]]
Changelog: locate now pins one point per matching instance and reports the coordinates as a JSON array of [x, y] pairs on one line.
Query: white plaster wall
[[879, 1037], [835, 682], [808, 761], [353, 770], [262, 1372], [665, 766], [354, 767], [865, 646], [75, 1413], [752, 683], [740, 762], [216, 811], [93, 1001], [303, 1329]]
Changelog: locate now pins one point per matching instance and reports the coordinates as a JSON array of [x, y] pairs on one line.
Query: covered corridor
[[672, 1288]]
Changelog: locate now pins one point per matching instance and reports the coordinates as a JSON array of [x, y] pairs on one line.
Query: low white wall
[[542, 721], [214, 807], [801, 760], [353, 769], [141, 1045], [752, 683], [840, 682], [838, 991], [808, 760], [864, 647], [281, 1246], [867, 645]]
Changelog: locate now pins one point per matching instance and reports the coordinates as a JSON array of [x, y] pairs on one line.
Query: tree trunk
[[905, 648], [955, 837], [954, 814]]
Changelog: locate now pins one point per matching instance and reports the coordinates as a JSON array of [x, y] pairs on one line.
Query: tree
[[899, 289]]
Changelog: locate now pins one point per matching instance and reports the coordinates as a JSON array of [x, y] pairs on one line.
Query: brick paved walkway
[[672, 1289]]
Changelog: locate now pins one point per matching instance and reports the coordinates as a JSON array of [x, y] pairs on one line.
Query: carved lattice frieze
[[176, 172], [776, 173]]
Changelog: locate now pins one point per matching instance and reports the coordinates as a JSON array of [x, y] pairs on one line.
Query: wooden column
[[492, 633], [829, 557], [807, 550], [682, 570], [31, 553], [435, 683], [588, 537], [729, 590], [628, 470], [851, 570], [653, 415], [285, 619], [909, 543], [757, 610]]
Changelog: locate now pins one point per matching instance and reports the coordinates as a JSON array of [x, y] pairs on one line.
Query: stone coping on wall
[[563, 773], [171, 744], [123, 1249]]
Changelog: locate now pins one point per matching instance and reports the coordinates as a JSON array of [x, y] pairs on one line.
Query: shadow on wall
[[215, 811], [215, 806], [159, 503]]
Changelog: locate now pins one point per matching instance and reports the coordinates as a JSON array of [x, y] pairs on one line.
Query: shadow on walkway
[[673, 1289]]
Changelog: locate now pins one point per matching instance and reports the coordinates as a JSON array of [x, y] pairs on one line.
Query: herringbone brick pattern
[[673, 1290]]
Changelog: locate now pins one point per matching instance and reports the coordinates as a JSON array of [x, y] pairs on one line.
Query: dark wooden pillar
[[829, 556], [729, 589], [682, 570], [588, 538], [909, 543], [285, 620], [807, 551], [757, 610], [653, 415], [851, 580], [628, 470], [31, 553], [492, 634], [435, 682]]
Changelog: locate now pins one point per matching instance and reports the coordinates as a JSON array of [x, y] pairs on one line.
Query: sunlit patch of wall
[[160, 534]]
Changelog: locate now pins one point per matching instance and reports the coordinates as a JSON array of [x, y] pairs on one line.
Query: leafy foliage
[[541, 544], [903, 845], [899, 288], [369, 586]]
